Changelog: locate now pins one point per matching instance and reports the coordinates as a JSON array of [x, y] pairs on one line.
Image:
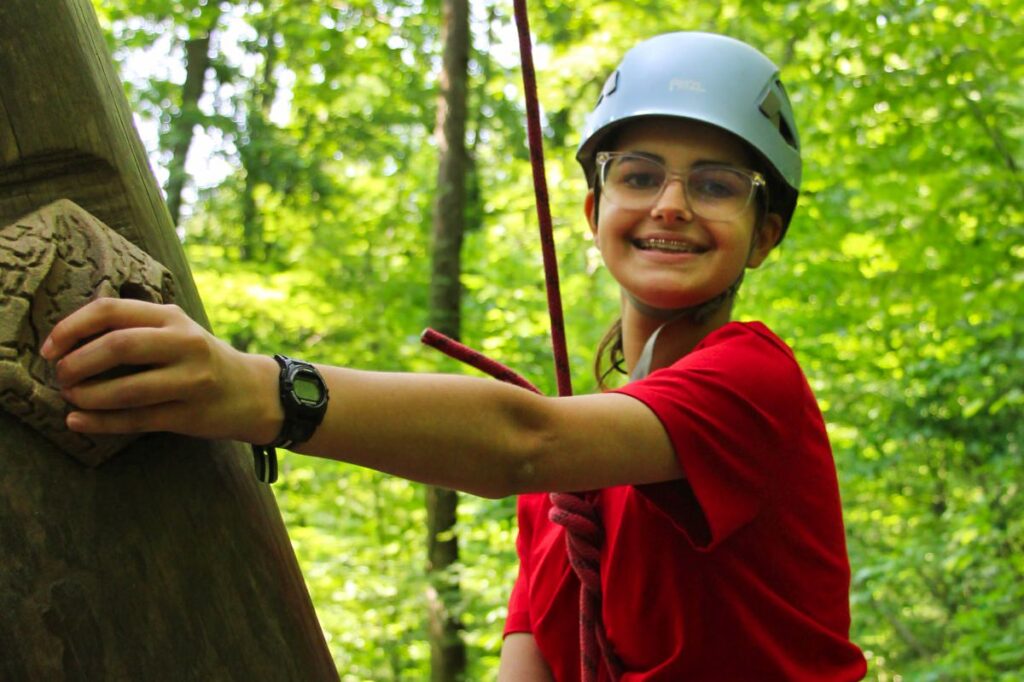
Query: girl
[[722, 553]]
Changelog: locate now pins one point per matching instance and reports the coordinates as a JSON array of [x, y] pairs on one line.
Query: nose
[[671, 205]]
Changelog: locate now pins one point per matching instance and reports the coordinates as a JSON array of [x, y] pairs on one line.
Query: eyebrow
[[699, 162]]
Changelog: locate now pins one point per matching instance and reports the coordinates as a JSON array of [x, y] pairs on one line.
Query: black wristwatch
[[304, 399]]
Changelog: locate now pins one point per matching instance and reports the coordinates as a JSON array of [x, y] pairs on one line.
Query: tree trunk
[[255, 152], [447, 651], [197, 61], [169, 562]]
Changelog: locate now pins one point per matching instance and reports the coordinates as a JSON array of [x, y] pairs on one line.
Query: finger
[[141, 420], [176, 417], [139, 347], [145, 388], [101, 316]]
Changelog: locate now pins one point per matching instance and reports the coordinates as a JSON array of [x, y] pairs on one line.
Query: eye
[[718, 184], [637, 174], [641, 180]]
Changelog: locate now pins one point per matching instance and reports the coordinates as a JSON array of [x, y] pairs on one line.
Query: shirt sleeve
[[518, 619], [724, 407]]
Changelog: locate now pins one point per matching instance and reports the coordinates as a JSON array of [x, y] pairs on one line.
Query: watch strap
[[301, 419], [265, 461]]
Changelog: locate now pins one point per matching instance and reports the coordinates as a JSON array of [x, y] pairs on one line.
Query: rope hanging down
[[540, 189], [577, 513]]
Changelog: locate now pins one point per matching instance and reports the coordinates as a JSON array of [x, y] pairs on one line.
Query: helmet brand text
[[685, 85]]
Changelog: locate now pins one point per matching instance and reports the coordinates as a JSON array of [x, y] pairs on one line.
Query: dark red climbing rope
[[584, 538], [577, 513], [540, 189], [467, 355]]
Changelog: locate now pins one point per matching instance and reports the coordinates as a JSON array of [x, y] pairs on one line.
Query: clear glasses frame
[[713, 191]]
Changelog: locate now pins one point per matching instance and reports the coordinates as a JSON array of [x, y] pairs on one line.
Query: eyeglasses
[[714, 192]]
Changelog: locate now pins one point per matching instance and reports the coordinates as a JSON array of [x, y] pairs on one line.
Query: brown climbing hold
[[53, 262]]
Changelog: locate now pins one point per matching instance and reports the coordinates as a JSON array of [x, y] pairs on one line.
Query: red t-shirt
[[738, 572]]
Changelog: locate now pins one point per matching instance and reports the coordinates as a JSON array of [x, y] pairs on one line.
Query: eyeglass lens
[[714, 192]]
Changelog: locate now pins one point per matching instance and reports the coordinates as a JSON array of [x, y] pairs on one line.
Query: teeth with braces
[[667, 245]]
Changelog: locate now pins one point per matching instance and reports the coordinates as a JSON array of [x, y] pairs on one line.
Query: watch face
[[307, 389]]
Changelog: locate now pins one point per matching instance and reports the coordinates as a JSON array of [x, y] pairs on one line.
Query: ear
[[767, 237], [589, 206]]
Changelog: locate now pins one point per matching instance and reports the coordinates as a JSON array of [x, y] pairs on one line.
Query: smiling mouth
[[669, 245]]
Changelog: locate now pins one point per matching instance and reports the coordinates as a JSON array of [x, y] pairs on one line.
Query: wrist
[[302, 395], [269, 411]]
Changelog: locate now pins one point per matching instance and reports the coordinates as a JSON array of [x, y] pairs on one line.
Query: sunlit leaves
[[899, 284]]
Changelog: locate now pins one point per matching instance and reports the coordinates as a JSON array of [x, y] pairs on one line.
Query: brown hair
[[610, 353]]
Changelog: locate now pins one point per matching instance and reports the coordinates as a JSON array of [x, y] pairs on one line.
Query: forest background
[[305, 209]]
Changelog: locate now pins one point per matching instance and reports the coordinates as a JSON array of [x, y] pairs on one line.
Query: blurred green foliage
[[899, 285]]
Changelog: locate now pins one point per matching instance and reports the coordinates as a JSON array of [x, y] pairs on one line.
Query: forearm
[[465, 433]]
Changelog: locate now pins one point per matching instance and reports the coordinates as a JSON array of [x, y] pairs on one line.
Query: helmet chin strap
[[696, 313]]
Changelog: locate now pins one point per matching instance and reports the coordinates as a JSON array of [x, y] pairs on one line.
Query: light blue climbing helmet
[[709, 78]]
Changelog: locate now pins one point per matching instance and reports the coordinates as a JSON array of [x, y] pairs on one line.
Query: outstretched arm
[[466, 433]]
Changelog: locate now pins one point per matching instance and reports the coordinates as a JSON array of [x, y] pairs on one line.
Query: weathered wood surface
[[169, 562]]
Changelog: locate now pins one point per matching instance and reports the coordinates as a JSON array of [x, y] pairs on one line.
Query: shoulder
[[741, 388], [742, 342], [744, 358]]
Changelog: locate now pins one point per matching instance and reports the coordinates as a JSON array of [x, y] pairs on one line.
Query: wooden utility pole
[[447, 650], [169, 561]]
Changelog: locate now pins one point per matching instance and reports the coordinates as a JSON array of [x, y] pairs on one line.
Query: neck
[[678, 338]]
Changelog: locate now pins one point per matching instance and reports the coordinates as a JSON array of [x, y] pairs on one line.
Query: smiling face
[[665, 255]]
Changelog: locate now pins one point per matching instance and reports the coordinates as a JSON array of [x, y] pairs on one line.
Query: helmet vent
[[771, 107], [610, 86], [787, 133]]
